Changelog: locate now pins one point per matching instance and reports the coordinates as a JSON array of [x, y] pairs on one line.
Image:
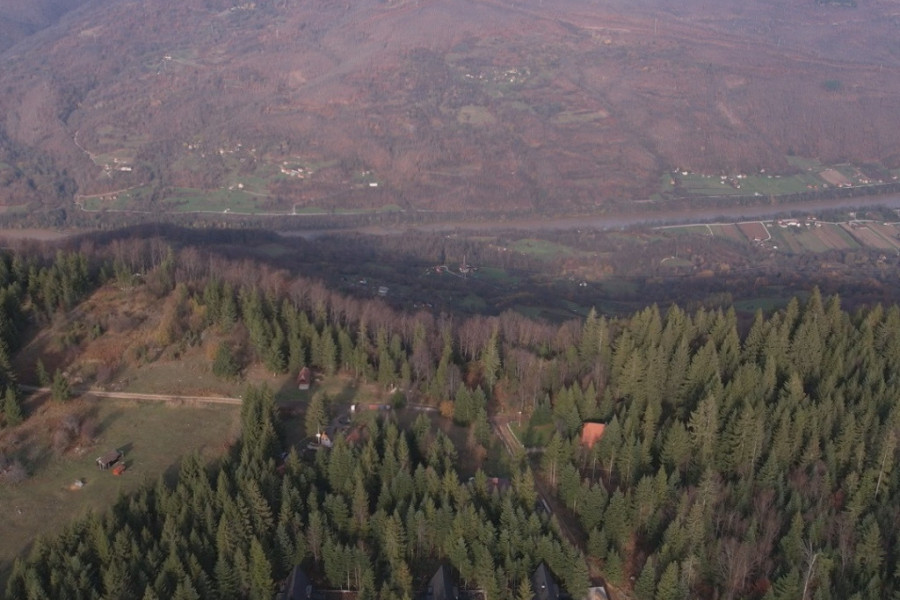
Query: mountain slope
[[441, 104]]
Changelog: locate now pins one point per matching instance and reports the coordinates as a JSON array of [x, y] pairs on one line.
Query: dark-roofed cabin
[[109, 459], [544, 585], [441, 585], [297, 586]]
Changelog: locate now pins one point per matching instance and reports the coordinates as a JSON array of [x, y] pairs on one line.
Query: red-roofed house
[[591, 433]]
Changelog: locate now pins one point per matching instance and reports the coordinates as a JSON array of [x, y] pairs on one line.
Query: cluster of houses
[[443, 585], [293, 171], [798, 223]]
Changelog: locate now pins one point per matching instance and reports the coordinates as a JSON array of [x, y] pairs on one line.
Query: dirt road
[[570, 530], [174, 398]]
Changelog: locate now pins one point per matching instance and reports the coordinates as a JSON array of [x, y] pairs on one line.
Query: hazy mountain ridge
[[449, 104], [20, 19]]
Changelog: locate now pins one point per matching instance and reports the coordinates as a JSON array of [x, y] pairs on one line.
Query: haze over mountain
[[557, 106]]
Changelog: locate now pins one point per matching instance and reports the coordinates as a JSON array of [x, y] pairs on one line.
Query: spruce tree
[[12, 411]]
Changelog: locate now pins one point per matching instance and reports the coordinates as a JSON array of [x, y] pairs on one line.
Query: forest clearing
[[61, 442]]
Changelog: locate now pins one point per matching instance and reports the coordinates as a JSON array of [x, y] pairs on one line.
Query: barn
[[109, 459]]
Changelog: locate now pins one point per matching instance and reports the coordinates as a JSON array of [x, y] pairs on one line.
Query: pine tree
[[669, 585], [524, 591], [316, 415], [59, 389], [328, 358], [490, 360], [184, 591], [12, 411], [275, 358], [704, 428], [225, 365], [261, 585], [41, 373]]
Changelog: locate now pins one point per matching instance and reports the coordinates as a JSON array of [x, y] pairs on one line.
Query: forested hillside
[[51, 284], [364, 518], [761, 467], [755, 464]]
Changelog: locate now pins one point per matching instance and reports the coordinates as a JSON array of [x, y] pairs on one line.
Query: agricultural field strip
[[868, 235], [747, 228], [879, 230]]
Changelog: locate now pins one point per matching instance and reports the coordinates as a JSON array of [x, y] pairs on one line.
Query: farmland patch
[[729, 231], [868, 237], [754, 230]]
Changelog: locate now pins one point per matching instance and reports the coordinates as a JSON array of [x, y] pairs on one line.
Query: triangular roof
[[543, 584], [441, 586], [298, 586]]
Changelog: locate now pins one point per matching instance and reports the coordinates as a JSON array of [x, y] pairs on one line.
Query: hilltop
[[463, 105]]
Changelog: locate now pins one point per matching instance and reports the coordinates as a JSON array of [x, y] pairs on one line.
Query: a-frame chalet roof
[[544, 585], [442, 586]]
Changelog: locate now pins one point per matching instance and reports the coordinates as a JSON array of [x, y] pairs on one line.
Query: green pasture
[[155, 436], [254, 184], [805, 163], [674, 262], [273, 250], [810, 240], [126, 200], [617, 287], [574, 309], [568, 117], [193, 200], [542, 249], [473, 303], [689, 230], [498, 275], [761, 184], [845, 235], [96, 203], [771, 298], [475, 115]]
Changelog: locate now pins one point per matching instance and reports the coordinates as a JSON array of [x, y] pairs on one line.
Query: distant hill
[[22, 18], [448, 105]]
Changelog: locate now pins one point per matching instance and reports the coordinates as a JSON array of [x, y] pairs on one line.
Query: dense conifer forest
[[734, 464], [364, 518]]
